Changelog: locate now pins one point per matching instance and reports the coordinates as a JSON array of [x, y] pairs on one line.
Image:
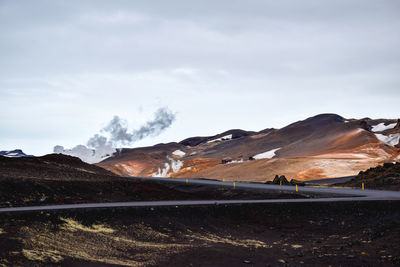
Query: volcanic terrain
[[62, 179], [386, 176], [322, 146]]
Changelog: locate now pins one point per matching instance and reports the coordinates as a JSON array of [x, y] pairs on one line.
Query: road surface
[[342, 195]]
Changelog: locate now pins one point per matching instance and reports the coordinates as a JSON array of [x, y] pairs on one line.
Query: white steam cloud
[[101, 146], [173, 165]]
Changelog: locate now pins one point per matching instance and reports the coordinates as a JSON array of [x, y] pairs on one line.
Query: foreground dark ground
[[291, 234], [18, 192], [296, 234], [61, 179]]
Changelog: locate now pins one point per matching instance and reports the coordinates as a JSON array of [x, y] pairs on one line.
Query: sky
[[68, 67]]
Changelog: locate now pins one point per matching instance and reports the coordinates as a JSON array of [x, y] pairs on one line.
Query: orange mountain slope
[[323, 146]]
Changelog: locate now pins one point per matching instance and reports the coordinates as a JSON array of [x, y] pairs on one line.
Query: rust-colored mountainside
[[323, 146]]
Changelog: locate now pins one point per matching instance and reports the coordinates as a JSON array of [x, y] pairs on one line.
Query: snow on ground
[[12, 155], [267, 155], [17, 153], [178, 153], [235, 161], [226, 137], [382, 127], [391, 139]]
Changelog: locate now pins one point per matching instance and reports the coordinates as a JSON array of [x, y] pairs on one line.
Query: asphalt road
[[342, 195], [346, 193]]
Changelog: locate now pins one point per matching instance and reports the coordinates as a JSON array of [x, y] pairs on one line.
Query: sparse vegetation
[[279, 234], [74, 226]]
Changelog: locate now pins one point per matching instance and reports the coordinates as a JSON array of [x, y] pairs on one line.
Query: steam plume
[[100, 146]]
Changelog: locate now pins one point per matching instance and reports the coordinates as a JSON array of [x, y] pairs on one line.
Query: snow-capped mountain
[[16, 153]]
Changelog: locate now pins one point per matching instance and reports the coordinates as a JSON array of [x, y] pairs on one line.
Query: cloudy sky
[[67, 67]]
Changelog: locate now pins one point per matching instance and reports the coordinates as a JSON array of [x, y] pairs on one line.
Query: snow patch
[[391, 139], [235, 161], [267, 155], [382, 127], [178, 153], [17, 153], [223, 138]]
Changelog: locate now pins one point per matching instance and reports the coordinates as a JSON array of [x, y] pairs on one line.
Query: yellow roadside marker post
[[297, 189], [234, 185], [187, 181], [280, 183], [362, 186], [223, 179]]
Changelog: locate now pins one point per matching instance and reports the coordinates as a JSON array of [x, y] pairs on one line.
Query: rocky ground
[[296, 234], [383, 177], [291, 234]]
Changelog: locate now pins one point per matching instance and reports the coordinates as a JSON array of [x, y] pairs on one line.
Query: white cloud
[[73, 65]]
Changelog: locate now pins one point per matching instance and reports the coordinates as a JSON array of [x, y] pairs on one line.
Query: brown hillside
[[322, 146]]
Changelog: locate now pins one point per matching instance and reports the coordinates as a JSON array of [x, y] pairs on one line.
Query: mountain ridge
[[323, 146], [16, 153]]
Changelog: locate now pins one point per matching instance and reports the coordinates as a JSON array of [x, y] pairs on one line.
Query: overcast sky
[[67, 67]]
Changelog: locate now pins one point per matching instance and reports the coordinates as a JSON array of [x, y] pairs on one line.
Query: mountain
[[323, 146], [61, 167], [16, 153]]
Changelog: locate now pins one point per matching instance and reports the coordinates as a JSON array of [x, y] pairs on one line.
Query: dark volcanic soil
[[51, 166], [295, 234], [60, 179], [292, 234], [386, 176], [32, 192]]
